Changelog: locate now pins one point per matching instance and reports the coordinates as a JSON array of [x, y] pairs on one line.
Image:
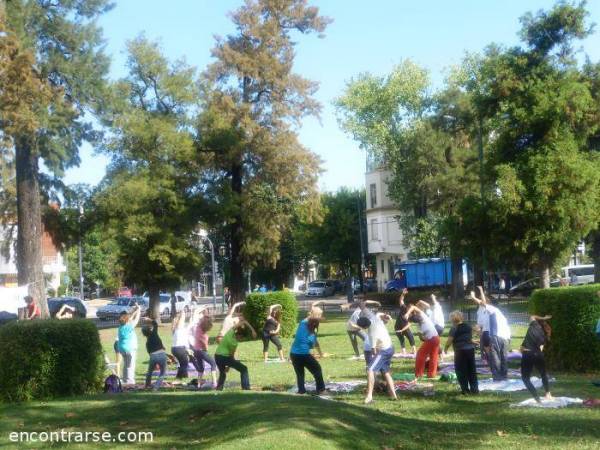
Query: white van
[[581, 274]]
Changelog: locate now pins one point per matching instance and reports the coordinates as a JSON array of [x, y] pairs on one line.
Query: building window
[[373, 191], [374, 230], [382, 267]]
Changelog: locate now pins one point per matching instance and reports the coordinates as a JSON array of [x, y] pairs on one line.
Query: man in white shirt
[[353, 330], [382, 350], [499, 343]]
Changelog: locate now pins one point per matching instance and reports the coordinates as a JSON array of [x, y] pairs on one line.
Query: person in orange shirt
[[33, 312]]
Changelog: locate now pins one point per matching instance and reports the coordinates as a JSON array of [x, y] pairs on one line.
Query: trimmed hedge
[[43, 359], [257, 308], [575, 311]]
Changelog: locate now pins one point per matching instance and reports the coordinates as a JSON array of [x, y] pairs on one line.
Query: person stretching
[[431, 343], [402, 326], [271, 332], [65, 312], [382, 351], [304, 341], [483, 325], [202, 324], [127, 343], [499, 331], [156, 351], [532, 349], [461, 339], [231, 320], [180, 343], [225, 354]]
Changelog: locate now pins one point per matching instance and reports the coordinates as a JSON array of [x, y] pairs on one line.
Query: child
[[156, 351], [225, 354], [199, 344], [304, 341], [532, 349], [461, 338], [127, 343], [430, 346], [402, 326], [271, 332], [382, 349]]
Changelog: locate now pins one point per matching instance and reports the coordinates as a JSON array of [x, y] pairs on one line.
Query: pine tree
[[254, 102], [61, 71]]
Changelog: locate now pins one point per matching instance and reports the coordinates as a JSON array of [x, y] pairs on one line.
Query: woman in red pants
[[430, 343]]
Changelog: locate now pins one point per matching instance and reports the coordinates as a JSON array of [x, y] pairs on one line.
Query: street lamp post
[[204, 235], [80, 256]]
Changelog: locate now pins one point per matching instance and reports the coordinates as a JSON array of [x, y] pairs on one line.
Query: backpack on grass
[[112, 385]]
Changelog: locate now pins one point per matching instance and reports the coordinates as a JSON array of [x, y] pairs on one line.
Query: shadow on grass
[[286, 421]]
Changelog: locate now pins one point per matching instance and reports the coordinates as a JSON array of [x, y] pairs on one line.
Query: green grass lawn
[[266, 419]]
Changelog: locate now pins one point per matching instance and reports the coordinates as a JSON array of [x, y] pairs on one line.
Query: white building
[[383, 230], [54, 264]]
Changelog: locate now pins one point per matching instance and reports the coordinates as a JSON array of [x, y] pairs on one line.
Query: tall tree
[[150, 200], [254, 103], [547, 184], [61, 74]]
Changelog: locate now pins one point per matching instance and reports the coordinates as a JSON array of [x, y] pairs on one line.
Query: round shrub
[[257, 308], [575, 312], [43, 359]]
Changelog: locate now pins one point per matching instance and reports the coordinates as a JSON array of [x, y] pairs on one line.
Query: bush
[[43, 359], [574, 311], [257, 308]]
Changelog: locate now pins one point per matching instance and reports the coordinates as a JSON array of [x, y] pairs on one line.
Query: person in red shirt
[[33, 312]]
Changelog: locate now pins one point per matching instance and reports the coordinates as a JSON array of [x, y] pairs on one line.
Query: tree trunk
[[154, 307], [236, 266], [458, 288], [595, 254], [545, 278], [29, 221]]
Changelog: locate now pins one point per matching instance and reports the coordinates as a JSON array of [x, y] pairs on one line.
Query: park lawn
[[265, 419]]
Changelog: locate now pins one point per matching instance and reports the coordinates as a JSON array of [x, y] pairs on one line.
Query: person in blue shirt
[[304, 341], [127, 344]]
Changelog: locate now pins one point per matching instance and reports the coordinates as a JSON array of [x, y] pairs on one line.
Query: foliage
[[257, 305], [259, 171], [48, 359], [575, 312], [148, 200]]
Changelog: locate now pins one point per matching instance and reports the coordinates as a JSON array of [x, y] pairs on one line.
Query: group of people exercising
[[190, 342]]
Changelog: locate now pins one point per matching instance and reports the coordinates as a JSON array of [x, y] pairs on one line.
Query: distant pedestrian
[[227, 298], [461, 339]]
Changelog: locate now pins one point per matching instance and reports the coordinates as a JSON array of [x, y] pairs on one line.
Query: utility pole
[[80, 256], [362, 249]]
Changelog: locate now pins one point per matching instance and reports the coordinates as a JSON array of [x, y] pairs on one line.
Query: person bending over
[[225, 354], [65, 312], [382, 349], [127, 343], [300, 354], [461, 339], [271, 332], [431, 343], [353, 330], [231, 320], [156, 352], [202, 324], [537, 336]]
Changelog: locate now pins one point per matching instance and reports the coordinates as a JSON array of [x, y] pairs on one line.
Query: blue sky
[[364, 37]]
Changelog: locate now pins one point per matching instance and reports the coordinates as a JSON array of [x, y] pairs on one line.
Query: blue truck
[[428, 272]]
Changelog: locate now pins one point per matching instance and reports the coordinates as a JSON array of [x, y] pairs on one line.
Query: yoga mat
[[337, 387], [510, 385], [556, 402]]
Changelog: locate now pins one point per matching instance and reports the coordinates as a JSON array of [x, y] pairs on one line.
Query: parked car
[[55, 303], [121, 305], [181, 303], [320, 288], [526, 288], [124, 292]]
